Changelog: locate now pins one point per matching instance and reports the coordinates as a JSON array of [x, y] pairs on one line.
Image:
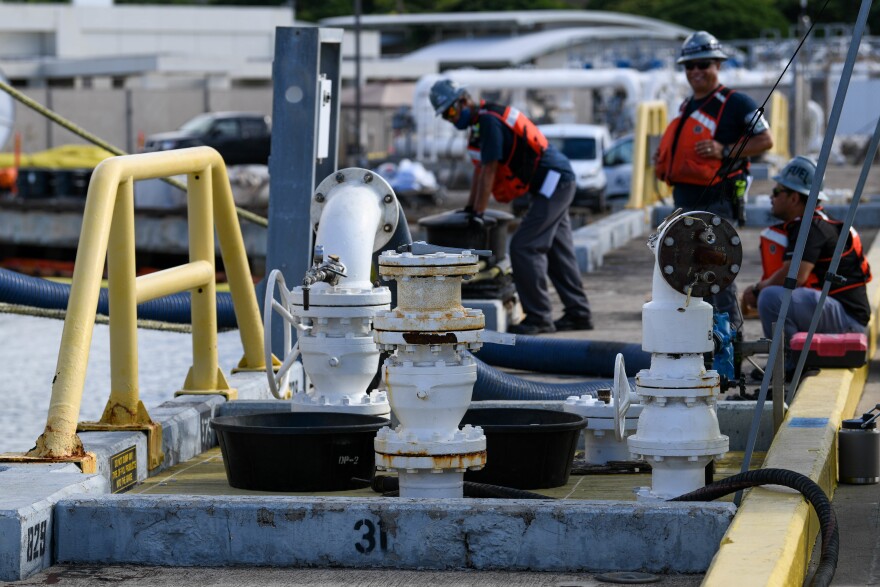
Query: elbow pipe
[[493, 384], [25, 290], [588, 358]]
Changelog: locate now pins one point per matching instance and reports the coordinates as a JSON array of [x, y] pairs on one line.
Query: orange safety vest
[[853, 265], [515, 174], [677, 162]]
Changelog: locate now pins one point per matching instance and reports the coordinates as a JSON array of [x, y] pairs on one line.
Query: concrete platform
[[777, 523]]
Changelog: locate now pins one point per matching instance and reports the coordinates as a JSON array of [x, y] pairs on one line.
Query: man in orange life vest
[[697, 154], [512, 159], [846, 308]]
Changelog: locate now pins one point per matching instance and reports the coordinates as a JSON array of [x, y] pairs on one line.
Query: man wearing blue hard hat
[[513, 159], [846, 308]]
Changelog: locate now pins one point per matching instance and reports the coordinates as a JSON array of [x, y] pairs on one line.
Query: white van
[[584, 145]]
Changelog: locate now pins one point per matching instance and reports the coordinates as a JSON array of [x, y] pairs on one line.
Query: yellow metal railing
[[779, 125], [108, 230], [645, 189]]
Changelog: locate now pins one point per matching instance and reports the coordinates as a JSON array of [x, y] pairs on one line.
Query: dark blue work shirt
[[496, 142]]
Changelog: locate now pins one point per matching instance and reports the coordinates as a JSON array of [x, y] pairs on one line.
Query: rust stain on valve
[[430, 338], [710, 256]]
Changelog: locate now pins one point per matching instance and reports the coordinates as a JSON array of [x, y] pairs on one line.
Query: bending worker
[[512, 158], [846, 308], [698, 152]]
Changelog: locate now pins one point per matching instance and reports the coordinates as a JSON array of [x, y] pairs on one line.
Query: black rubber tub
[[526, 448], [284, 451]]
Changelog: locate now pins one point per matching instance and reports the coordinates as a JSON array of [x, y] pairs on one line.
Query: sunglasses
[[451, 112], [777, 191], [701, 65]]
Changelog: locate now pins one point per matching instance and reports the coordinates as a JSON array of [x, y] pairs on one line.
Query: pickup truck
[[241, 138]]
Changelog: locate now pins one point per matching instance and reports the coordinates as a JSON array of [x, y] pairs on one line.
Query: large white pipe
[[348, 226]]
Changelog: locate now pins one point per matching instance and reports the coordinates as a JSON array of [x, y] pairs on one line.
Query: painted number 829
[[36, 541]]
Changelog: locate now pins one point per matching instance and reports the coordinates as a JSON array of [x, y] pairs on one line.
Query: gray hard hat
[[797, 175], [701, 45], [443, 94]]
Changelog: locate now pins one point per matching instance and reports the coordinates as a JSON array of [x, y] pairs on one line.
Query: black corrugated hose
[[493, 384], [388, 486], [812, 492]]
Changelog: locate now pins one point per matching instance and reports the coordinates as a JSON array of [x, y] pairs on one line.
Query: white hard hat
[[797, 175]]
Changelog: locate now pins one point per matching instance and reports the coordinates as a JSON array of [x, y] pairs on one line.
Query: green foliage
[[740, 19]]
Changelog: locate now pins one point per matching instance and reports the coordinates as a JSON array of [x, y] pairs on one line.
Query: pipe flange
[[592, 408], [371, 184], [397, 320], [468, 338], [699, 254], [342, 303], [393, 265], [709, 379], [373, 404], [646, 449], [402, 449]]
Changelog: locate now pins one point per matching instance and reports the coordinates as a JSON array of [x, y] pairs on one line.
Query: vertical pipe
[[123, 307], [204, 302], [244, 301], [357, 84]]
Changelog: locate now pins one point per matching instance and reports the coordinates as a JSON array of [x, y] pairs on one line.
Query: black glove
[[476, 221]]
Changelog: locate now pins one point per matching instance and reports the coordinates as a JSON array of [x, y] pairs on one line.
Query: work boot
[[531, 326], [569, 322]]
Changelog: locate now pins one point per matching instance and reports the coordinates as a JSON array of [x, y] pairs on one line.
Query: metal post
[[123, 308], [302, 54], [358, 151], [204, 299]]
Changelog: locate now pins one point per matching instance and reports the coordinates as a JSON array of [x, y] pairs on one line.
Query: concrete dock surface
[[617, 292]]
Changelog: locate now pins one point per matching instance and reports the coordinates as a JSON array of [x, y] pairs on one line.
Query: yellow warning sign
[[123, 470]]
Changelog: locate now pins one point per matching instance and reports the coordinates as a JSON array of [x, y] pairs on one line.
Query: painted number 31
[[367, 543]]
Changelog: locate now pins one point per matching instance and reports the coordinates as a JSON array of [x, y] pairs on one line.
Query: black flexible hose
[[812, 492], [25, 290], [389, 486], [590, 358], [493, 384]]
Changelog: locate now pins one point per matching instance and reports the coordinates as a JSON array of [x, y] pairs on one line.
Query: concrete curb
[[399, 533], [593, 241], [28, 492]]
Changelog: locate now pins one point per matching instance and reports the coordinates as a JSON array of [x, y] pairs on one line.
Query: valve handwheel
[[279, 379]]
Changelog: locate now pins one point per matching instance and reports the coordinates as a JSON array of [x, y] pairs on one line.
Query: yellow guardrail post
[[645, 189], [779, 126], [109, 219]]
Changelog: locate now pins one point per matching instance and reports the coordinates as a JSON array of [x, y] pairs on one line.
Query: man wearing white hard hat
[[846, 308]]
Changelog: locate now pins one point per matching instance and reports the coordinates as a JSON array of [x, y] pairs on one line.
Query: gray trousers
[[542, 247], [833, 320]]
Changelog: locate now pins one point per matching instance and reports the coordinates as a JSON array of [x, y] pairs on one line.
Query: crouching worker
[[846, 308]]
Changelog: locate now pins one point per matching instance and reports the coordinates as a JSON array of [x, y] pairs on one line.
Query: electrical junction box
[[832, 350]]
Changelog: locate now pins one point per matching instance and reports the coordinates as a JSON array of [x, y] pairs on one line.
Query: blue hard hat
[[443, 94]]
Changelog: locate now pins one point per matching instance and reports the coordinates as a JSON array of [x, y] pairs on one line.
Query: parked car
[[584, 145], [617, 163], [241, 138]]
